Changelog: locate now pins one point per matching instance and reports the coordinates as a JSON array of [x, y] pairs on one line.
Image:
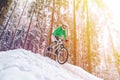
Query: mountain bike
[[57, 48]]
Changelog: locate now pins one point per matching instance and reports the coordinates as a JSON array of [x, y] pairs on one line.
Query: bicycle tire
[[46, 51], [59, 55]]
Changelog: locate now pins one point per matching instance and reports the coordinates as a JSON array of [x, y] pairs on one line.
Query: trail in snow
[[21, 64]]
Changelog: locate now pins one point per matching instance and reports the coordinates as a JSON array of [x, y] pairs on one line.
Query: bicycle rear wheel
[[62, 56], [47, 50]]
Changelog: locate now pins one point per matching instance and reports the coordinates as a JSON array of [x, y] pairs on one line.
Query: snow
[[21, 64]]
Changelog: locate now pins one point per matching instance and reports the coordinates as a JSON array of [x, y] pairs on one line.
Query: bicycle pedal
[[50, 49]]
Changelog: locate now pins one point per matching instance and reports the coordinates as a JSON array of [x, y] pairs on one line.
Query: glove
[[66, 40]]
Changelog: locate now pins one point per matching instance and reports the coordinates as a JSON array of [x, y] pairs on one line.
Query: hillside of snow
[[21, 64]]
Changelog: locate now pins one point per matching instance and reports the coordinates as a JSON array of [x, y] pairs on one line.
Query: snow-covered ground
[[21, 64]]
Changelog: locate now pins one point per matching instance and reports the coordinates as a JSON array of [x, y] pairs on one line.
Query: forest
[[92, 31]]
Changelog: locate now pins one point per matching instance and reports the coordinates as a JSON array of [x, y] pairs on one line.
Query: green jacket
[[59, 32]]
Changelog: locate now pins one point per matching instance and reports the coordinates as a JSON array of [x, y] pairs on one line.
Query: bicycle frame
[[58, 45], [55, 48]]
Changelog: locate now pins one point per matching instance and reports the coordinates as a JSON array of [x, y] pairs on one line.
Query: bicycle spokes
[[62, 56]]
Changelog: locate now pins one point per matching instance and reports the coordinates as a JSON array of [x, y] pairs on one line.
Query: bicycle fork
[[58, 48]]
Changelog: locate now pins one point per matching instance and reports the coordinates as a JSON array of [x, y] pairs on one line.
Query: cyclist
[[57, 47], [59, 33]]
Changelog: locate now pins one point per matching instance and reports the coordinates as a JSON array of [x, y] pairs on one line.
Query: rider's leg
[[53, 38], [54, 42]]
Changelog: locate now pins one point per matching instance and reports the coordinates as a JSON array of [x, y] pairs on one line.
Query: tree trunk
[[59, 3], [28, 30], [13, 36], [88, 39], [74, 40], [52, 21], [6, 25]]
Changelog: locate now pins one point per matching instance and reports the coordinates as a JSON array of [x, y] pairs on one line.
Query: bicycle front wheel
[[62, 56]]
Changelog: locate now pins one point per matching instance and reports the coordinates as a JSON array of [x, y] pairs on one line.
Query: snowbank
[[21, 64]]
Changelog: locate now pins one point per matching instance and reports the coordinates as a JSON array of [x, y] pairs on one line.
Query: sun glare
[[114, 6]]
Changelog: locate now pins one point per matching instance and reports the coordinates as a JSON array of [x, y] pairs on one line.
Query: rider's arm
[[64, 34], [65, 37]]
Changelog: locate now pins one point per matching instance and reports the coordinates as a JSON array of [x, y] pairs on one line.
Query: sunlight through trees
[[93, 30]]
